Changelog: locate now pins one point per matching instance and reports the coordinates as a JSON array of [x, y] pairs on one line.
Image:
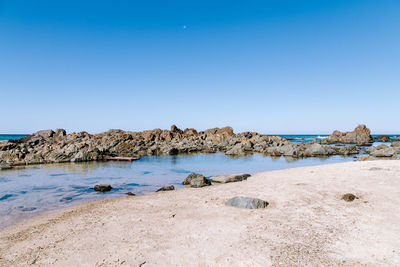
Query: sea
[[29, 191]]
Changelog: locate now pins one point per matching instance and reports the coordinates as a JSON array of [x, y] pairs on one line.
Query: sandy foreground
[[306, 224]]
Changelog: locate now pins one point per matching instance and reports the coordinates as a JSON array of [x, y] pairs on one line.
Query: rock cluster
[[48, 146], [361, 136]]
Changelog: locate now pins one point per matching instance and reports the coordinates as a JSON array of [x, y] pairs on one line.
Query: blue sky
[[267, 66]]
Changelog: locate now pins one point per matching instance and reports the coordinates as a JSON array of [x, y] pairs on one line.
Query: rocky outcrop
[[247, 203], [231, 178], [361, 136], [50, 146], [382, 138]]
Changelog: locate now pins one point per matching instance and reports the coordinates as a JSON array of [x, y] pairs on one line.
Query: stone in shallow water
[[196, 180], [166, 188], [349, 197], [130, 194], [229, 178], [247, 203], [102, 187]]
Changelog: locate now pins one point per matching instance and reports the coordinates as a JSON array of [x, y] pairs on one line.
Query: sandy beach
[[305, 224]]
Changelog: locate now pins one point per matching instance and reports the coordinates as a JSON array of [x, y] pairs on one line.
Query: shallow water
[[30, 191]]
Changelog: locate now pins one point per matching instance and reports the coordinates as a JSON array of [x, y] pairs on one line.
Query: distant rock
[[102, 187], [382, 138], [361, 136], [349, 197], [247, 203], [130, 194], [229, 178], [166, 188]]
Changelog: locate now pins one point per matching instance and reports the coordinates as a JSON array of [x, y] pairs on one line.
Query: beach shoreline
[[305, 222]]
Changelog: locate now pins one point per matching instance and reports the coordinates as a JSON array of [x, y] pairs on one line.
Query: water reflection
[[28, 191]]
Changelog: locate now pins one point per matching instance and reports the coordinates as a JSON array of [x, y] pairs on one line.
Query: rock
[[45, 133], [360, 136], [229, 178], [166, 188], [190, 177], [384, 152], [382, 138], [349, 197], [395, 144], [365, 158], [196, 180], [4, 165], [102, 187], [247, 203], [130, 194]]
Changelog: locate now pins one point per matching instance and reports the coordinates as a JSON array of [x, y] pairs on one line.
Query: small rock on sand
[[102, 187], [196, 180], [166, 188], [247, 203], [229, 178], [349, 197]]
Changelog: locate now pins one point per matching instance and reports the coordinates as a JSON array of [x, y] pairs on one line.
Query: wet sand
[[306, 223]]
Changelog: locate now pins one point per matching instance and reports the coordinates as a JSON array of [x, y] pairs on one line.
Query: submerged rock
[[247, 203], [130, 194], [166, 188], [229, 178], [102, 187]]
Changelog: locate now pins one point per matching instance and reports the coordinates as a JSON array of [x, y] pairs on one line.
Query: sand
[[306, 224]]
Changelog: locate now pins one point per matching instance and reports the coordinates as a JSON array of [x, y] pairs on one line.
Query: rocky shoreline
[[48, 146]]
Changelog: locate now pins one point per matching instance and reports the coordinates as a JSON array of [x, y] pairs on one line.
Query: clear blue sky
[[269, 66]]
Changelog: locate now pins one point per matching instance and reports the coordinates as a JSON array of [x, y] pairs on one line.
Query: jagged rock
[[229, 178], [102, 187], [360, 136], [247, 203], [45, 133], [166, 188]]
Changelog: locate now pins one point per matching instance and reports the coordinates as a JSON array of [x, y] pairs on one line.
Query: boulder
[[247, 203], [384, 152], [190, 177], [4, 165], [45, 133], [229, 178], [395, 144], [196, 180], [102, 187], [360, 136], [166, 188]]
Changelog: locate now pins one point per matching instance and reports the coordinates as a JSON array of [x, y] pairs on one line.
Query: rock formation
[[361, 136]]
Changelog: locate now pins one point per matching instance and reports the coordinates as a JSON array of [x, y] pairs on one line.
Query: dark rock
[[349, 197], [190, 177], [130, 194], [229, 178], [102, 187], [166, 188], [247, 203]]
